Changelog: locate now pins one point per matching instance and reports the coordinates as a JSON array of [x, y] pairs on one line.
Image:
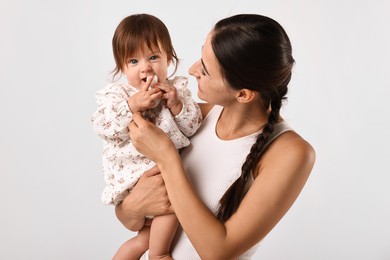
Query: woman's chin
[[200, 96]]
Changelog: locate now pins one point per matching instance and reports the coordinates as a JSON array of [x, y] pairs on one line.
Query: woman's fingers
[[152, 172]]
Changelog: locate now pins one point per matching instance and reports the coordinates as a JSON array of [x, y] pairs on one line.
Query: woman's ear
[[245, 95]]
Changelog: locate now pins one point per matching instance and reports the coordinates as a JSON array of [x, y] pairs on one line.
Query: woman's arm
[[283, 172], [148, 198]]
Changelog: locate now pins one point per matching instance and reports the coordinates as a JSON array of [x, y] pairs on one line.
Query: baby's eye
[[133, 61], [154, 57]]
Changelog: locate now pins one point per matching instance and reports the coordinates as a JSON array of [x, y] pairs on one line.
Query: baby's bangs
[[140, 40]]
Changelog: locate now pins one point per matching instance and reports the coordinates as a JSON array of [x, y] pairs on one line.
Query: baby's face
[[144, 63]]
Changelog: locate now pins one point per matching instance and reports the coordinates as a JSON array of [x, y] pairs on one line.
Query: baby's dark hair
[[254, 52], [133, 32]]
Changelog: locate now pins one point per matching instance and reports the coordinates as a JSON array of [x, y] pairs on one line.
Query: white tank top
[[212, 166]]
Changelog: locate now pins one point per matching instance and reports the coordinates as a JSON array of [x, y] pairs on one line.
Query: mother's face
[[212, 87]]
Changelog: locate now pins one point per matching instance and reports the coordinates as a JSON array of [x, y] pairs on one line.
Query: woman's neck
[[239, 121]]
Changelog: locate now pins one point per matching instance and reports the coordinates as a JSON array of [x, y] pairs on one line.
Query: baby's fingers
[[150, 81]]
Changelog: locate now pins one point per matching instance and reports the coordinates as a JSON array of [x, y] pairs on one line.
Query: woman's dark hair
[[133, 32], [254, 52]]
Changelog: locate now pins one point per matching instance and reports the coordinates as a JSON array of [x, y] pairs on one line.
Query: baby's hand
[[146, 98], [170, 95]]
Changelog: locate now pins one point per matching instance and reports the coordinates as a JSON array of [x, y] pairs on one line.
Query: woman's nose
[[195, 69]]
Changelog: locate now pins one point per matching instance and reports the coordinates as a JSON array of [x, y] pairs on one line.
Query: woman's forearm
[[195, 218]]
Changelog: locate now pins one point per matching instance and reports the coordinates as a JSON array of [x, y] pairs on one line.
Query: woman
[[245, 166]]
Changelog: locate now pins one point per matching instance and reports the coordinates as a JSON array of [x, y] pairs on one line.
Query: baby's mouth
[[154, 80]]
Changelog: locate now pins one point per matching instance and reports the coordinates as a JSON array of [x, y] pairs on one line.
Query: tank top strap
[[279, 129]]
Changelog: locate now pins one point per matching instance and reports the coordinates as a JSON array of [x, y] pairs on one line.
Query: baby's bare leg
[[135, 247], [162, 232]]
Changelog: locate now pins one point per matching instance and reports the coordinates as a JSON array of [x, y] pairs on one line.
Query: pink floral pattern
[[122, 163]]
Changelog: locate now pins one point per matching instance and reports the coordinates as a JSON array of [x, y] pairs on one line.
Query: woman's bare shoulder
[[291, 150], [294, 143]]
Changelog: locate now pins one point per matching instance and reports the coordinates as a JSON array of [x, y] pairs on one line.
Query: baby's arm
[[185, 110], [116, 107], [113, 114], [189, 118], [172, 99]]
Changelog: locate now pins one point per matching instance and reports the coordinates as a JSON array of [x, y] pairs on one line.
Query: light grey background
[[54, 55]]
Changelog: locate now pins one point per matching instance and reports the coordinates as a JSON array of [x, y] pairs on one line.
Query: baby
[[143, 51]]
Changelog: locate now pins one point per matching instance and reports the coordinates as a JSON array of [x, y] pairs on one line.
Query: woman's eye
[[133, 61], [203, 72]]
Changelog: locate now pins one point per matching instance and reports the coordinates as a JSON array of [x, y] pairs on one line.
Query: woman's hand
[[150, 140], [148, 198]]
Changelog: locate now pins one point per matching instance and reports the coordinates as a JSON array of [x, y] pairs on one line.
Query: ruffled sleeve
[[190, 117], [110, 120]]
